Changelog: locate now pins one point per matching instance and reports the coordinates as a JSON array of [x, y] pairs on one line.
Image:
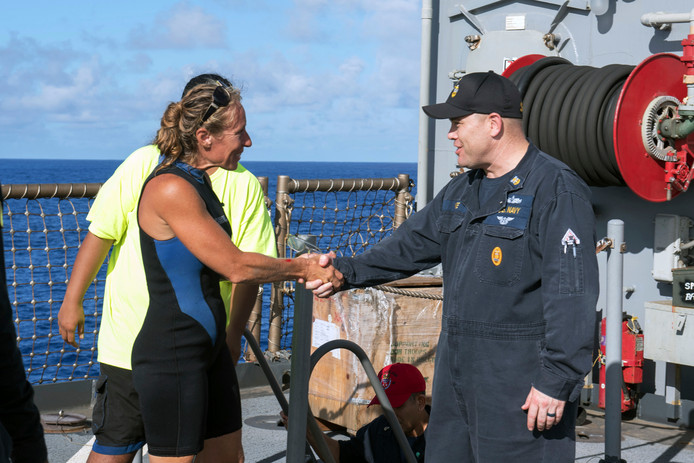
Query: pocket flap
[[447, 223], [509, 233]]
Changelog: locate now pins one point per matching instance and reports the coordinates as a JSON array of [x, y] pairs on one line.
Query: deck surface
[[265, 442]]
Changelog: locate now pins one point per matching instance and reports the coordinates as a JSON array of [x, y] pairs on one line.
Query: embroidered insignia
[[515, 181], [514, 200], [457, 204], [504, 220], [496, 256], [455, 91], [385, 380], [570, 238]]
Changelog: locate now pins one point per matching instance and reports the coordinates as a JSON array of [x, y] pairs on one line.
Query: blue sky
[[330, 80]]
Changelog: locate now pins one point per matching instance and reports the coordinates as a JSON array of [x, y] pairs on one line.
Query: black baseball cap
[[479, 92]]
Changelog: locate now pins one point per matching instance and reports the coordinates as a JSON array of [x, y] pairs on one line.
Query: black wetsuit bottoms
[[182, 369]]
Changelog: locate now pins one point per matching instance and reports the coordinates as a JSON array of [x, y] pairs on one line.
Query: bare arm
[[89, 258], [170, 207], [243, 297]]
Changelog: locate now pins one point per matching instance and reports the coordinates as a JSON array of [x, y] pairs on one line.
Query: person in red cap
[[375, 442]]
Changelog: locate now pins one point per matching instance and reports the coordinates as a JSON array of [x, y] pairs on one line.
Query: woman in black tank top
[[180, 363]]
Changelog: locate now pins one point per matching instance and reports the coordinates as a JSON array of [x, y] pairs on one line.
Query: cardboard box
[[389, 327]]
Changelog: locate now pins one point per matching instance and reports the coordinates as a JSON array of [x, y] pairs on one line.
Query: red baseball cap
[[400, 381]]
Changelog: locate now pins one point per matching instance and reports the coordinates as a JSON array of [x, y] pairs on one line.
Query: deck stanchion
[[254, 321], [282, 218], [613, 343], [300, 370], [400, 214]]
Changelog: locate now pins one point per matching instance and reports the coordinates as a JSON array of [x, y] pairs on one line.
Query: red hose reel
[[653, 167]]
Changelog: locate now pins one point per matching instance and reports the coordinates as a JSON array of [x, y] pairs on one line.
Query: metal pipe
[[255, 318], [281, 229], [279, 394], [425, 70], [254, 322], [375, 383], [677, 128], [49, 190], [613, 342], [343, 184], [400, 213], [300, 370], [673, 395], [661, 19]]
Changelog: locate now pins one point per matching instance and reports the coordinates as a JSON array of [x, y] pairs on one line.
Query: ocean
[[37, 346]]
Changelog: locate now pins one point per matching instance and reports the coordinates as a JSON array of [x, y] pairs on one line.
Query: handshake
[[322, 277]]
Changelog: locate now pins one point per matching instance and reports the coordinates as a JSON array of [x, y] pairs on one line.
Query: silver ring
[[551, 414]]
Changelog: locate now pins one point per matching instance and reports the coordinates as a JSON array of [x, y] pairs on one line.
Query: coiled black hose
[[568, 112]]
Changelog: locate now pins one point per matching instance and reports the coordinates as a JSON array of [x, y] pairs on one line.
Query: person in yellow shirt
[[114, 224]]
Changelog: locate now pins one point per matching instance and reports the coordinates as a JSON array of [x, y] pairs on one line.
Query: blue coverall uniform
[[520, 288]]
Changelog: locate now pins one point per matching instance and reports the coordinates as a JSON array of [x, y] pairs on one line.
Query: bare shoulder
[[171, 192], [169, 186]]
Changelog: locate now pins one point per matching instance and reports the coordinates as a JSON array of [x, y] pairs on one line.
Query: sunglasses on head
[[220, 98]]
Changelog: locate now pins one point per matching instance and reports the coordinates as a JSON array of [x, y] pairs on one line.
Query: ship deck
[[265, 440]]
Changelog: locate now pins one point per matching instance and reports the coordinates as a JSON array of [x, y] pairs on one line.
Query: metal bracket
[[603, 244], [472, 18]]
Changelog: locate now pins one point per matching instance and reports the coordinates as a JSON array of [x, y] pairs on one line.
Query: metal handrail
[[375, 383], [50, 190], [45, 224]]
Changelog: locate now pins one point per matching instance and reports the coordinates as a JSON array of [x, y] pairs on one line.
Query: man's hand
[[71, 317], [543, 411], [319, 288], [321, 270]]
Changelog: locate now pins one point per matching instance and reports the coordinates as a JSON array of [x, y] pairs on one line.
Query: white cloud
[[183, 26], [314, 73]]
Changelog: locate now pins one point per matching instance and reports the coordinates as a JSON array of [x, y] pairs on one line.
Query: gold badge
[[515, 181], [455, 91], [496, 256]]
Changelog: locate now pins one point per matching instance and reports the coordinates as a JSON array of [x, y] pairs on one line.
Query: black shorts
[[116, 420], [119, 425]]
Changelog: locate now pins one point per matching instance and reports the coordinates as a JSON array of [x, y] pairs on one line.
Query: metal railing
[[44, 225], [345, 216]]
